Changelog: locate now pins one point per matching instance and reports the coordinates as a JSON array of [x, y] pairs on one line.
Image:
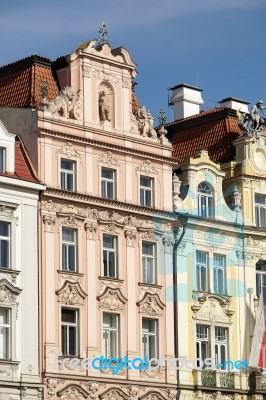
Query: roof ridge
[[23, 63]]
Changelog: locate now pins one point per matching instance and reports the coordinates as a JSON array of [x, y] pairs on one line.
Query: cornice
[[109, 146]]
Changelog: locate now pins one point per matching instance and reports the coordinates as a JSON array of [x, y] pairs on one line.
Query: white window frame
[[8, 327], [260, 277], [112, 333], [2, 160], [145, 259], [114, 251], [260, 207], [65, 173], [205, 200], [200, 266], [202, 340], [219, 344], [6, 239], [145, 339], [219, 268], [75, 325], [108, 181], [144, 189], [66, 243]]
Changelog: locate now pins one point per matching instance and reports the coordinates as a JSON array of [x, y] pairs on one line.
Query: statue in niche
[[251, 123], [104, 106]]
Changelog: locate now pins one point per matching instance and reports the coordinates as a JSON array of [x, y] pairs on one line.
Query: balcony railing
[[257, 381], [210, 378]]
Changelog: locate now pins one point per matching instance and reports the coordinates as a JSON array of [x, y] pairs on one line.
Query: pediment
[[151, 304], [114, 394], [112, 299], [73, 392], [211, 310], [71, 293], [8, 292], [152, 395]]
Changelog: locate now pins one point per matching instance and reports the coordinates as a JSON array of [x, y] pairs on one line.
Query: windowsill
[[208, 292], [150, 284], [5, 361], [10, 271], [107, 278], [60, 271]]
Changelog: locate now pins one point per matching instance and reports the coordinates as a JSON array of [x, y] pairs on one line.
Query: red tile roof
[[23, 167], [135, 103], [214, 130], [20, 82]]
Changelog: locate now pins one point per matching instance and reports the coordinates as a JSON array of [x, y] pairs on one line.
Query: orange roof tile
[[214, 130], [135, 103], [20, 82]]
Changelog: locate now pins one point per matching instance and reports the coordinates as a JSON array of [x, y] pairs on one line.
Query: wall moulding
[[71, 293], [151, 304], [112, 299]]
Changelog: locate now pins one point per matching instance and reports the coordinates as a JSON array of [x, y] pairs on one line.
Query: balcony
[[257, 381], [210, 378]]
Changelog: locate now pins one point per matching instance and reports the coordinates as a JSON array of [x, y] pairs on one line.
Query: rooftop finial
[[102, 38]]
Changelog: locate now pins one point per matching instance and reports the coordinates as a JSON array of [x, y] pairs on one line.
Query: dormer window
[[2, 160], [205, 200]]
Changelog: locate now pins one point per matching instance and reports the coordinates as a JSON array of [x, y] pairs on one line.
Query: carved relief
[[148, 235], [105, 76], [211, 310], [71, 293], [91, 229], [109, 159], [51, 385], [86, 71], [8, 212], [73, 392], [92, 389], [151, 304], [152, 395], [168, 243], [126, 82], [64, 104], [70, 220], [49, 222], [114, 394], [68, 150], [133, 391], [146, 168], [130, 236], [8, 293], [145, 122], [112, 299]]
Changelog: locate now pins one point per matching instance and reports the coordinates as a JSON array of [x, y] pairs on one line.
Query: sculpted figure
[[104, 106], [251, 123], [145, 122], [62, 104]]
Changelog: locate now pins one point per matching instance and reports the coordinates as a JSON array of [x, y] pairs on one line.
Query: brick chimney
[[186, 100]]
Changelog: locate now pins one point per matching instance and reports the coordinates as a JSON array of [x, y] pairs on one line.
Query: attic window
[[2, 159]]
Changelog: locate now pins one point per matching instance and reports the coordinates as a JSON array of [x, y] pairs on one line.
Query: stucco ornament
[[73, 393], [64, 104], [114, 394], [145, 122], [8, 292], [251, 123], [71, 293], [151, 304], [177, 201], [112, 299]]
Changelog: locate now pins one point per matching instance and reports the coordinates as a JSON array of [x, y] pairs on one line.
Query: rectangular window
[[201, 271], [2, 160], [108, 184], [221, 347], [67, 175], [4, 244], [69, 249], [111, 335], [260, 276], [202, 342], [260, 210], [148, 263], [149, 338], [219, 274], [146, 191], [69, 332], [5, 333], [110, 256]]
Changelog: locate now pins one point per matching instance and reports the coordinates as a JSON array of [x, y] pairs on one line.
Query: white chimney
[[234, 104], [186, 100]]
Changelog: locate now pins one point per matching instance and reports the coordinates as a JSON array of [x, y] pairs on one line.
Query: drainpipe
[[183, 219]]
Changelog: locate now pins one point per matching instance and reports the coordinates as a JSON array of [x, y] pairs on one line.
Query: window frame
[[201, 265], [206, 198], [8, 326], [9, 240], [148, 335], [200, 341], [147, 257], [258, 207], [67, 172], [74, 244], [3, 153], [146, 189], [117, 330], [259, 276], [219, 344], [114, 251], [76, 325], [216, 269], [111, 181]]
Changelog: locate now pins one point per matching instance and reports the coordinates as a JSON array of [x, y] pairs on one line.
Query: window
[[260, 210], [260, 276], [5, 333], [4, 244], [149, 338], [202, 342], [111, 335], [146, 191], [148, 263], [110, 256], [204, 200], [201, 271], [69, 249], [108, 183], [219, 274], [221, 347], [67, 175], [69, 332], [2, 160]]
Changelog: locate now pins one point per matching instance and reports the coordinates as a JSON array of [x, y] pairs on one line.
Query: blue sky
[[222, 42]]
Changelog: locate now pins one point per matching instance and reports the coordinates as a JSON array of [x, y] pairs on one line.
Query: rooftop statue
[[102, 38], [145, 122], [251, 123]]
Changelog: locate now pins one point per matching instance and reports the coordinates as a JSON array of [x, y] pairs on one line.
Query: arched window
[[205, 200]]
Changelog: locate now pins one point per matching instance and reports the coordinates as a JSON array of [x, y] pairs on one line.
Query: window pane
[[147, 248], [70, 181], [4, 229], [71, 258], [72, 340], [145, 182], [68, 165], [68, 315], [64, 339], [2, 160], [108, 242], [113, 344], [4, 253], [64, 257], [112, 272], [68, 235], [152, 347], [110, 190], [107, 173], [148, 194]]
